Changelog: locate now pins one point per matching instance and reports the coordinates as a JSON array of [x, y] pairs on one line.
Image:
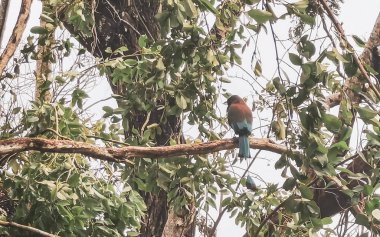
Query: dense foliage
[[184, 74]]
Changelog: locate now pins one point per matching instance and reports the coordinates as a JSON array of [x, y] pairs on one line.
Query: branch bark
[[123, 154], [27, 228], [15, 39], [4, 4]]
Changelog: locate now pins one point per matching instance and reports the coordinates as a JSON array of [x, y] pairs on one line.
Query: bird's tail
[[244, 147]]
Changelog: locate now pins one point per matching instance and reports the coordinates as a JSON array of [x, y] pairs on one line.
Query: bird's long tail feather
[[244, 147]]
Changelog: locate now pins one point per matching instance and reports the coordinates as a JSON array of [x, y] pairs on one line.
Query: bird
[[250, 184], [239, 117]]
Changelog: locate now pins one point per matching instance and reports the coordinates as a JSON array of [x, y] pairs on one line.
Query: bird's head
[[234, 99]]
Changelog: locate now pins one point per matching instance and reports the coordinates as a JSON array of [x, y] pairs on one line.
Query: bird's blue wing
[[242, 127]]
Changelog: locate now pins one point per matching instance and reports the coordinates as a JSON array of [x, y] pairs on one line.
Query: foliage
[[72, 195]]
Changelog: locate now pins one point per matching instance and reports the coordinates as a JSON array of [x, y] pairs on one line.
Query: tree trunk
[[121, 23]]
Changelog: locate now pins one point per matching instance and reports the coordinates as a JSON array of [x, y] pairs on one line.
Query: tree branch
[[340, 30], [334, 200], [122, 154], [4, 4], [27, 228], [367, 57], [15, 39]]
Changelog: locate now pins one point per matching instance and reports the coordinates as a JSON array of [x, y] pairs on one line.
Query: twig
[[268, 217], [27, 228], [56, 133], [108, 140], [327, 31]]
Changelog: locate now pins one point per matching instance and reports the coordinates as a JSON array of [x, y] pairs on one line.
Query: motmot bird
[[240, 119]]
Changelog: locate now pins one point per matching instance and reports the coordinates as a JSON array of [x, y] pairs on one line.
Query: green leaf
[[306, 192], [251, 2], [38, 30], [332, 122], [74, 180], [305, 47], [310, 20], [208, 6], [291, 204], [190, 8], [32, 119], [294, 171], [133, 233], [358, 41], [345, 111], [260, 16], [258, 70], [121, 50], [181, 101], [279, 86], [366, 112], [326, 221], [107, 109], [16, 110], [225, 80], [368, 189], [320, 68], [342, 146], [362, 219], [370, 69], [46, 18], [289, 184], [339, 56], [160, 66], [281, 162], [226, 201], [142, 41], [295, 59], [301, 5]]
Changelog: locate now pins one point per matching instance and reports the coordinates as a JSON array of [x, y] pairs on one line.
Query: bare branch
[[15, 39], [122, 154], [27, 228]]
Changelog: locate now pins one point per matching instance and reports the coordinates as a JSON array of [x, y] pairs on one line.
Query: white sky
[[358, 17]]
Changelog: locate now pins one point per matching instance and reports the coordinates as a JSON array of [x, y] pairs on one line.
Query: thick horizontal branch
[[122, 154]]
